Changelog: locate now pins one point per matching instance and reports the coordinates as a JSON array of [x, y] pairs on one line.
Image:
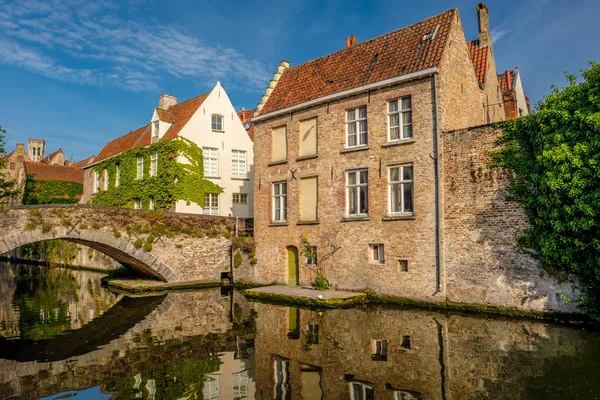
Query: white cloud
[[88, 43]]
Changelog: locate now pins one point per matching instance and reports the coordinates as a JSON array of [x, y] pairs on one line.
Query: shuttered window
[[308, 199], [308, 137], [278, 144]]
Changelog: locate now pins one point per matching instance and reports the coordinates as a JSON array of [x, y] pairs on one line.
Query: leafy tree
[[6, 191], [555, 155]]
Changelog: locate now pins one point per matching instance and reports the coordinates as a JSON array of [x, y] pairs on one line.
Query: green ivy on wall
[[173, 180], [51, 192]]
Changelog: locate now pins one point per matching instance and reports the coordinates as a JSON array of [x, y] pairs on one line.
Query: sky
[[80, 73]]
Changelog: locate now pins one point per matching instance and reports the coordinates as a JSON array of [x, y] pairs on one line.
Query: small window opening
[[312, 333], [405, 342], [403, 265], [377, 253], [379, 350]]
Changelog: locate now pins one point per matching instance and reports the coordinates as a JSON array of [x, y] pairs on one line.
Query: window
[[308, 199], [212, 387], [357, 202], [401, 189], [281, 371], [403, 265], [211, 204], [217, 123], [400, 119], [406, 395], [280, 202], [137, 204], [153, 163], [377, 254], [13, 165], [240, 385], [96, 179], [356, 127], [155, 130], [311, 256], [105, 179], [140, 167], [405, 342], [118, 176], [151, 204], [379, 352], [278, 144], [312, 333], [211, 161], [238, 164], [240, 198], [308, 137], [361, 391]]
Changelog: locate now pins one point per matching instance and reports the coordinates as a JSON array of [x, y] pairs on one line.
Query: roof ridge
[[370, 40]]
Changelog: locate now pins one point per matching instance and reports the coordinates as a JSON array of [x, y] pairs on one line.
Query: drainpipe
[[437, 175]]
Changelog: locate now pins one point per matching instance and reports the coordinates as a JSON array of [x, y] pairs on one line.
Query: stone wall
[[480, 230]]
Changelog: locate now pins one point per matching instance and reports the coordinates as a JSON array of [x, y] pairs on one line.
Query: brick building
[[348, 157]]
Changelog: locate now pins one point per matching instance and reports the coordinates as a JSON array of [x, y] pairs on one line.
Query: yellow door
[[293, 272]]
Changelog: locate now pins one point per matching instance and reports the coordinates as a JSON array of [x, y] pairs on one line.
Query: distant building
[[209, 121], [516, 104]]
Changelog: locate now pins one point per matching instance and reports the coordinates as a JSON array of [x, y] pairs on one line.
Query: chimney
[[353, 40], [348, 41], [166, 101], [508, 80], [243, 114], [483, 21], [20, 148]]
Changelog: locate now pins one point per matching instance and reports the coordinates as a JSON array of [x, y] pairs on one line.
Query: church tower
[[36, 149]]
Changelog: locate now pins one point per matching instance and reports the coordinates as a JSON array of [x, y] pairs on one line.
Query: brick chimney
[[508, 80], [353, 40], [483, 21], [243, 114], [348, 41], [166, 101]]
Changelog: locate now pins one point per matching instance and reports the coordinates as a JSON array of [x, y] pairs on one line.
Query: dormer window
[[217, 123], [155, 130]]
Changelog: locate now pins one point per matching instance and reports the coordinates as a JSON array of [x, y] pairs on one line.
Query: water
[[65, 336]]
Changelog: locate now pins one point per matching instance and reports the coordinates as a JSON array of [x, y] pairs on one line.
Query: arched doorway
[[293, 270]]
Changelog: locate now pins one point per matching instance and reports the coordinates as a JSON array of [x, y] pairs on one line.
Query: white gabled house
[[211, 122]]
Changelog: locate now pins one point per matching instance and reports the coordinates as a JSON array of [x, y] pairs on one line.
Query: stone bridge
[[167, 246]]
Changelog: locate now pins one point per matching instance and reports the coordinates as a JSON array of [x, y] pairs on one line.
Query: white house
[[211, 122]]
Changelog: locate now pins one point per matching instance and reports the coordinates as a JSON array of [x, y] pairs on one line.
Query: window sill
[[307, 223], [276, 163], [401, 217], [212, 177], [302, 158], [398, 142], [283, 223], [357, 218], [234, 178], [216, 130], [353, 149]]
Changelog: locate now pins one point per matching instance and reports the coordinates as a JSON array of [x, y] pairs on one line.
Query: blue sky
[[80, 73]]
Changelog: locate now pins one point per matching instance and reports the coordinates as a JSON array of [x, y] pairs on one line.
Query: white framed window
[[281, 372], [211, 161], [151, 204], [280, 202], [357, 192], [155, 129], [105, 179], [96, 178], [217, 122], [153, 164], [137, 204], [379, 350], [400, 119], [211, 204], [311, 256], [356, 127], [400, 192], [361, 391], [238, 164], [240, 198], [406, 395], [140, 167], [376, 253], [118, 175]]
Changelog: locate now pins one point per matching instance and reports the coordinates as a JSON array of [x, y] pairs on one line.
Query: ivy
[[179, 176], [51, 191]]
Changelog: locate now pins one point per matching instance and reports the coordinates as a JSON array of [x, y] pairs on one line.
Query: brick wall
[[480, 229]]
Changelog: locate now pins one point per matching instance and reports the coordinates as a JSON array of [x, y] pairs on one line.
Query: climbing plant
[[555, 155], [51, 191], [6, 186], [174, 180]]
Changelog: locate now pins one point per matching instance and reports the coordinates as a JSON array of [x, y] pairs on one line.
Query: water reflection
[[215, 345]]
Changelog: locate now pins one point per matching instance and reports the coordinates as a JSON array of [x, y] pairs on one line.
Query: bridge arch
[[119, 249]]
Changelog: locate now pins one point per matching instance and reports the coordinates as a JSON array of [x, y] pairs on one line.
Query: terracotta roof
[[165, 115], [479, 56], [503, 82], [246, 118], [394, 54], [179, 114], [48, 158], [84, 162], [48, 172]]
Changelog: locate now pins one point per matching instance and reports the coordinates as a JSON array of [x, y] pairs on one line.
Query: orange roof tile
[[48, 172], [479, 56], [165, 115], [84, 162], [503, 82], [178, 115], [246, 118], [394, 54]]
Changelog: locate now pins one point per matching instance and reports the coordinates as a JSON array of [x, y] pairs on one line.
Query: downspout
[[437, 174]]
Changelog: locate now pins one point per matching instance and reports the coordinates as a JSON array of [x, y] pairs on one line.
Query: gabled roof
[[48, 172], [479, 56], [49, 157], [394, 54], [246, 118], [165, 115], [84, 162], [178, 115]]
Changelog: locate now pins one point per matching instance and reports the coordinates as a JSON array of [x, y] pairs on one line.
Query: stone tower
[[36, 149]]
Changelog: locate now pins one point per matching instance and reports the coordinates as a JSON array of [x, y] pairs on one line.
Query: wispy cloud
[[91, 44]]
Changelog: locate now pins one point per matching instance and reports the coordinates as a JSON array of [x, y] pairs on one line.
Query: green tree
[[555, 155], [6, 186]]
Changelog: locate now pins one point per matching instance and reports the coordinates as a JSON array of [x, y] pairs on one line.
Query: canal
[[64, 335]]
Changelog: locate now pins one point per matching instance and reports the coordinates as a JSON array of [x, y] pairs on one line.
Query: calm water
[[62, 335]]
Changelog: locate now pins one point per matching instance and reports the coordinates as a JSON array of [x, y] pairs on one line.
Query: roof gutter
[[349, 92]]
